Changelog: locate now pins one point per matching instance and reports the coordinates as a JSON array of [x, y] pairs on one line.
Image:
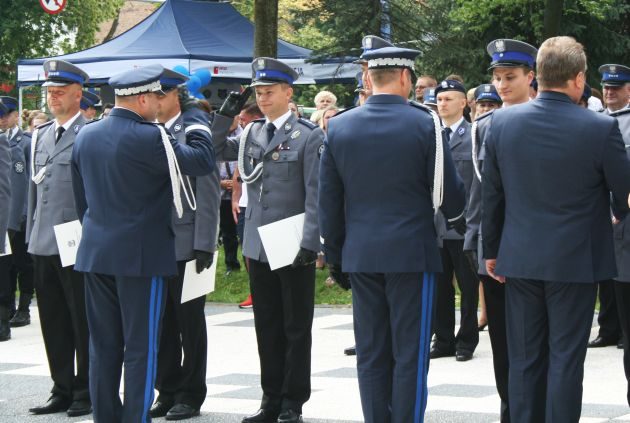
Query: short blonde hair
[[559, 60], [325, 94]]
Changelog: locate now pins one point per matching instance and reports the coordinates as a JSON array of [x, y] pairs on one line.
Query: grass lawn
[[234, 288]]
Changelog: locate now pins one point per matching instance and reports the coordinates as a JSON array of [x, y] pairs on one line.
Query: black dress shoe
[[438, 353], [21, 318], [262, 416], [160, 408], [290, 416], [181, 412], [350, 350], [79, 408], [463, 356], [601, 342], [55, 404]]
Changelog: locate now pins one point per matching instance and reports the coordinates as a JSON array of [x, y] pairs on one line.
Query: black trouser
[[17, 265], [548, 325], [62, 315], [494, 294], [454, 262], [608, 318], [183, 330], [228, 235], [21, 271], [622, 295], [283, 313]]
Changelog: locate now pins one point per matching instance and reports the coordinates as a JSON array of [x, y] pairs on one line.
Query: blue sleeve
[[616, 168], [331, 206], [197, 157], [77, 181]]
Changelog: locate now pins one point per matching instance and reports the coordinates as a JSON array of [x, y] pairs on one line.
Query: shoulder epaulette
[[308, 123], [483, 116], [345, 110], [261, 120], [621, 112], [92, 121], [420, 106], [45, 124]]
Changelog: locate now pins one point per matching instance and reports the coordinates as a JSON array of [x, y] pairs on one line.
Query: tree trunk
[[266, 28], [553, 18]]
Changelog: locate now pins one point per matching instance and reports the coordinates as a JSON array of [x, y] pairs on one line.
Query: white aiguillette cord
[[475, 157], [176, 175], [438, 174], [37, 179], [247, 178]]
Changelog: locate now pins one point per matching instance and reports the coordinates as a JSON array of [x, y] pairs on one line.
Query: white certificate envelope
[[198, 284], [282, 240], [7, 247], [68, 238]]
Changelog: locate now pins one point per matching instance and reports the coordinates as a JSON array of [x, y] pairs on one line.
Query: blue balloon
[[204, 76], [193, 84], [181, 69]]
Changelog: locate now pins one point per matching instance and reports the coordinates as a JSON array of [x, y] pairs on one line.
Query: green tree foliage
[[26, 31]]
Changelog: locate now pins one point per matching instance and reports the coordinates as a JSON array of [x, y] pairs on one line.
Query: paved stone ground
[[459, 392]]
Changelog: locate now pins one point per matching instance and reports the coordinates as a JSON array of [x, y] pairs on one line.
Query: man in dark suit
[[512, 69], [550, 165], [60, 290], [181, 372], [385, 239], [125, 179], [451, 102]]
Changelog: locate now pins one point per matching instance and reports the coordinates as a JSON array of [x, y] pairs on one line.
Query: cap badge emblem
[[444, 84], [487, 88], [261, 63], [613, 69], [499, 45], [368, 42], [53, 65]]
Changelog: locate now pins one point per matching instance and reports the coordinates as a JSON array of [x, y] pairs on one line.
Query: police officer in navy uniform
[[486, 98], [512, 70], [280, 162], [621, 231], [60, 290], [616, 89], [5, 197], [451, 101], [17, 266], [182, 383], [125, 180], [531, 217], [385, 239], [88, 105]]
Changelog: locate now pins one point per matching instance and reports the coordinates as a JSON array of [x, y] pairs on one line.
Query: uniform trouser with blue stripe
[[392, 326], [124, 316]]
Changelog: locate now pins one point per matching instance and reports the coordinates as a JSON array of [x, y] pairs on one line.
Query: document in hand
[[7, 247], [68, 238], [198, 284], [281, 240]]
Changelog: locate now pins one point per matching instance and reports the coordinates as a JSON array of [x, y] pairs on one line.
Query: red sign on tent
[[53, 6]]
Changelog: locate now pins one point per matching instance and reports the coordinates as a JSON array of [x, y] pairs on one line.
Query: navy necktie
[[60, 132], [270, 131], [448, 131]]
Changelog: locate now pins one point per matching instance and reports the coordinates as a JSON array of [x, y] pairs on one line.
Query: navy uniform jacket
[[20, 145], [124, 197], [460, 145], [5, 187], [288, 185], [51, 202], [376, 177], [621, 230], [196, 229], [549, 167]]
